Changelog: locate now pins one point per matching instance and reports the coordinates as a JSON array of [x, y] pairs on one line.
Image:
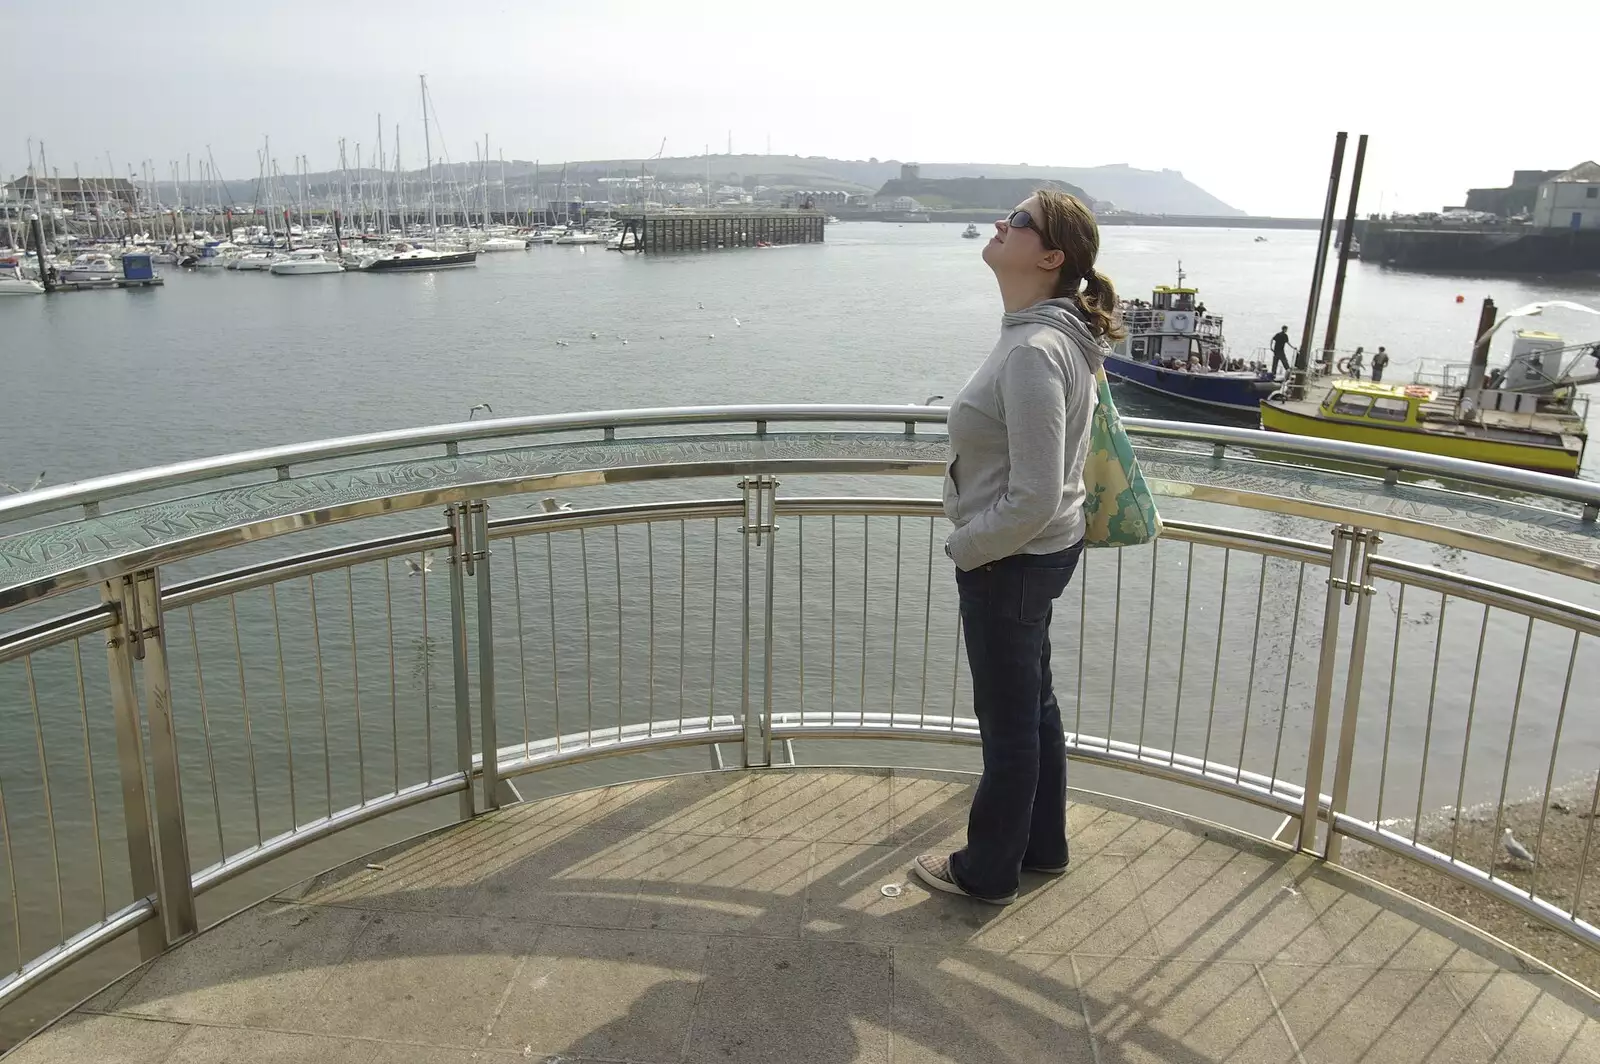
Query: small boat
[[212, 255], [1261, 240], [89, 267], [305, 261], [579, 237], [502, 243], [546, 236], [624, 241], [1174, 347], [1548, 437], [254, 260], [406, 257], [971, 232], [12, 283]]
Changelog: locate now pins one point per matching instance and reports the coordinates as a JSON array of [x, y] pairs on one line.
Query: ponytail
[[1099, 303], [1068, 226]]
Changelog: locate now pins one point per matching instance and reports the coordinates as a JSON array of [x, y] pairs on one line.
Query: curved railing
[[309, 681]]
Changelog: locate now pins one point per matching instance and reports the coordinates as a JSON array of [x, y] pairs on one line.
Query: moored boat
[[407, 257], [1174, 347], [305, 261], [971, 232], [12, 283]]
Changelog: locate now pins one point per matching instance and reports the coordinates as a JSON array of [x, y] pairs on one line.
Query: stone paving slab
[[740, 916]]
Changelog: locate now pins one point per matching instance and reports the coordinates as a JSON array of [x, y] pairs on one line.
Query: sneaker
[[935, 872], [1046, 870]]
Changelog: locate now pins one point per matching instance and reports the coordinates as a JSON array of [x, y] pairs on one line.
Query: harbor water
[[219, 361]]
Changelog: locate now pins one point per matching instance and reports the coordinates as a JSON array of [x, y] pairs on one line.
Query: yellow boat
[[1526, 431]]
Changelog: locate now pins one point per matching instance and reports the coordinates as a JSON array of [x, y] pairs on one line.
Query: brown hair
[[1069, 227]]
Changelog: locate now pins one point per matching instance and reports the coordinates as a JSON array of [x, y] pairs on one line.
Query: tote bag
[[1118, 509]]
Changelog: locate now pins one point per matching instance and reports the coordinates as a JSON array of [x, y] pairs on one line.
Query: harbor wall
[[1485, 249]]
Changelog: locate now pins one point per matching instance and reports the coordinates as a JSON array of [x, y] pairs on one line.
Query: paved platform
[[739, 916]]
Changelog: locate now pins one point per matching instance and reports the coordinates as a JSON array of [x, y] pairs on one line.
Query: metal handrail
[[101, 489]]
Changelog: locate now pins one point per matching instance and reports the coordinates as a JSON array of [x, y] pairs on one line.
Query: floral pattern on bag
[[1118, 509]]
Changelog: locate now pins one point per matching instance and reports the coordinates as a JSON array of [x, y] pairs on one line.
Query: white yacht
[[502, 243], [580, 237], [91, 267], [304, 261], [626, 240], [12, 283], [254, 260]]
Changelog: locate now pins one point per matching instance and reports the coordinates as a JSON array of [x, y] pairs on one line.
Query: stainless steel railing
[[259, 708]]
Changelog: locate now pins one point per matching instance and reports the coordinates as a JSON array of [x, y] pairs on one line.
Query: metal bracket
[[759, 496], [1391, 477], [137, 630], [1219, 451], [282, 471], [1362, 543], [610, 433], [1591, 511]]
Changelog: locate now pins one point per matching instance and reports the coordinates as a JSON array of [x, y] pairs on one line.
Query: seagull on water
[[485, 407], [713, 336], [18, 491], [426, 565], [562, 343], [737, 323], [594, 336], [701, 306], [1517, 851]]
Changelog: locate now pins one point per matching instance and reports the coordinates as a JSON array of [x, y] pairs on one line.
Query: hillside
[[969, 192]]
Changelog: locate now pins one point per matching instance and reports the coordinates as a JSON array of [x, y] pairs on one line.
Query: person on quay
[[1019, 433], [1280, 340], [1380, 362], [1357, 363]]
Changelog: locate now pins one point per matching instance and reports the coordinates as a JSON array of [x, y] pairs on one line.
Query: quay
[[710, 230], [743, 916], [759, 908]]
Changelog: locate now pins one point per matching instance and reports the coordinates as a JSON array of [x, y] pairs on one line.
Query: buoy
[[1461, 299]]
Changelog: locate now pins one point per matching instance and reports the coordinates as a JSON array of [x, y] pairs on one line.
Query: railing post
[[1357, 587], [460, 560], [131, 764], [760, 500], [1316, 753], [145, 633], [477, 519]]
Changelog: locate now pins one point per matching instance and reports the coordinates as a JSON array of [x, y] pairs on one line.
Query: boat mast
[[383, 181], [400, 181], [427, 148]]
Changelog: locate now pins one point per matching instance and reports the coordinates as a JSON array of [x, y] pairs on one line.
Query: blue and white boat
[[1174, 347]]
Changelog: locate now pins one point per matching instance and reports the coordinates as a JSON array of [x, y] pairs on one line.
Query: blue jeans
[[1019, 814]]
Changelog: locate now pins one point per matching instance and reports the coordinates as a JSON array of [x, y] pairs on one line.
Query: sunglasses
[[1022, 219]]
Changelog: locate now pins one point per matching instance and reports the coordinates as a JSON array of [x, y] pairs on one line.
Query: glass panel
[[1389, 409], [1352, 403]]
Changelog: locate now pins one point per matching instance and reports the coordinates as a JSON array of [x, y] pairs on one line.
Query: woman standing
[[1019, 432]]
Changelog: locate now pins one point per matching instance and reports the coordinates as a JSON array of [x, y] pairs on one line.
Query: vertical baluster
[[394, 677], [11, 873], [833, 620], [800, 600], [927, 633], [1183, 655], [1083, 613], [1216, 661], [894, 645], [650, 580], [1116, 640], [1250, 682], [322, 694], [1427, 733], [866, 565], [716, 586], [522, 651], [427, 672], [1511, 743], [1149, 641], [89, 778], [244, 711], [1388, 723], [355, 683], [955, 674], [616, 544], [1288, 671], [49, 804], [1583, 858], [205, 731], [683, 613], [555, 662], [1466, 742], [588, 639], [283, 702], [1550, 773]]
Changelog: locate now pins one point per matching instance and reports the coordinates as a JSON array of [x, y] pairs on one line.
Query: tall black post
[[38, 248], [1332, 334], [1480, 347], [1302, 357]]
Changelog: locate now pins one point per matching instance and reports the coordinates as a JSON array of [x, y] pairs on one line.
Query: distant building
[[906, 203], [1570, 200], [1515, 199], [71, 193], [910, 171]]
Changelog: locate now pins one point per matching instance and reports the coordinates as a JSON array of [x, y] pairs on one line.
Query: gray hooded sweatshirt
[[1019, 431]]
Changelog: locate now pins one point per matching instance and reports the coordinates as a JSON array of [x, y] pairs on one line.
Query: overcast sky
[[1242, 97]]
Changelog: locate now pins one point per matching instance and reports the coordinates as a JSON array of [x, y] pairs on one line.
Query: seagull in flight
[[930, 400], [551, 506], [1517, 851], [426, 565], [18, 491], [485, 407]]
